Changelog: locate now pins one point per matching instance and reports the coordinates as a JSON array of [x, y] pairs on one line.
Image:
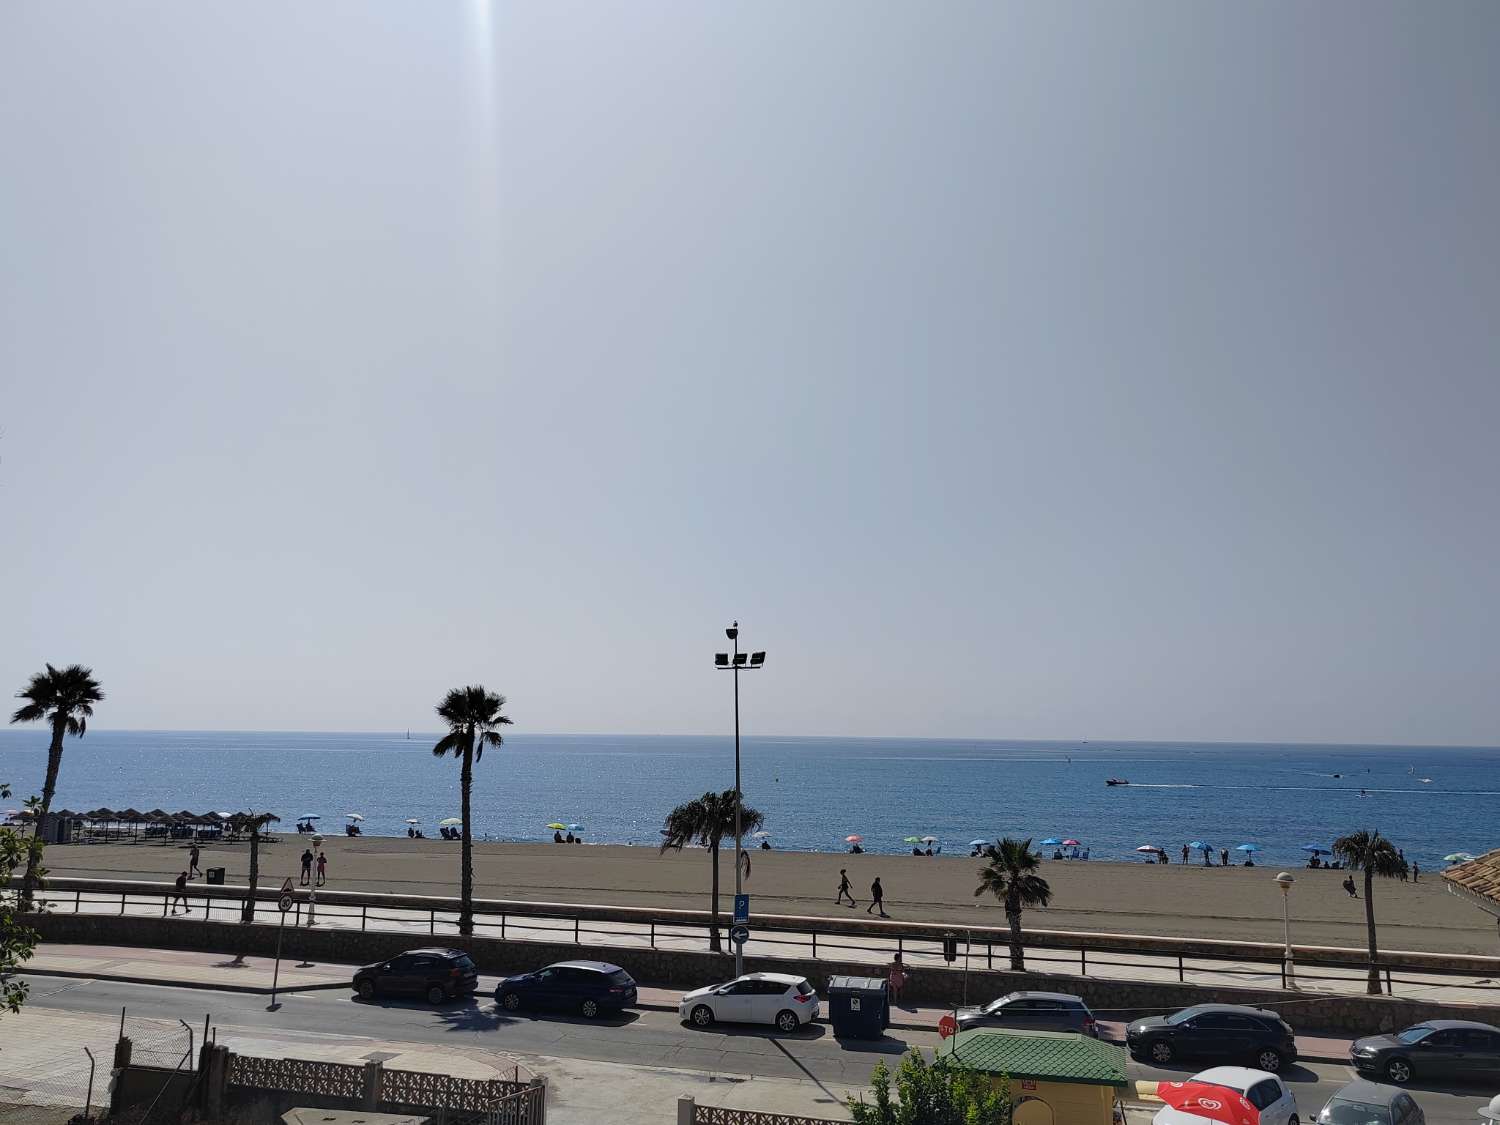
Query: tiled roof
[[1478, 879], [1059, 1056]]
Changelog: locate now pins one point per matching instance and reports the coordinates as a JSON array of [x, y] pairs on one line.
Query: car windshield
[[1340, 1112], [464, 962], [1184, 1015], [619, 976], [994, 1006], [1414, 1034], [803, 988]]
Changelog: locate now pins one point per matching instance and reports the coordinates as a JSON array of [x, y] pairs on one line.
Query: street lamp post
[[1285, 881], [312, 891], [748, 662]]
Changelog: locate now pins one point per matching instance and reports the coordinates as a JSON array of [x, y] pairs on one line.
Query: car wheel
[[1294, 1120], [786, 1020], [510, 1001], [589, 1008], [1160, 1051], [702, 1016], [1398, 1071], [366, 990], [1268, 1058], [437, 994]]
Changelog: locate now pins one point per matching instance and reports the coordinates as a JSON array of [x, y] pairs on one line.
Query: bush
[[944, 1093]]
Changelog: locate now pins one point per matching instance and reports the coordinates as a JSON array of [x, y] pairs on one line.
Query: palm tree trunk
[[49, 787], [1017, 957], [1373, 985], [466, 871], [248, 914], [713, 933]]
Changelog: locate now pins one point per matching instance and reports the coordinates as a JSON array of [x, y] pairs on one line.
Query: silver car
[[1035, 1011], [1363, 1102]]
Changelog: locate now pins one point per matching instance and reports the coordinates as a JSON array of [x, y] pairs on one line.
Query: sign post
[[283, 904], [741, 910]]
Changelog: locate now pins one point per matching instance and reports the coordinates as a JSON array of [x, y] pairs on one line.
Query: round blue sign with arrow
[[739, 934]]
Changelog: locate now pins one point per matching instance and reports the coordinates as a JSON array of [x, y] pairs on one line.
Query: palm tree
[[1010, 875], [472, 714], [65, 699], [1373, 854], [707, 820], [254, 822]]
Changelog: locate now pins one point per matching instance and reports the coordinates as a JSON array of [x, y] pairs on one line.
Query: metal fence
[[65, 1086]]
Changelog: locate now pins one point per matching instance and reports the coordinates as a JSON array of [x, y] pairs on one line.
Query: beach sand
[[1192, 901]]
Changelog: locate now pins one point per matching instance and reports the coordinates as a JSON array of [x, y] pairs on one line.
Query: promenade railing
[[920, 944]]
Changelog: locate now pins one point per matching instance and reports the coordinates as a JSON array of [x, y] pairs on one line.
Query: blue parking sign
[[741, 909]]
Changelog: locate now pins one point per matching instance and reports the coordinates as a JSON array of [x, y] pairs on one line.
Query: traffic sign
[[284, 903], [741, 909], [739, 934], [286, 887], [947, 1026]]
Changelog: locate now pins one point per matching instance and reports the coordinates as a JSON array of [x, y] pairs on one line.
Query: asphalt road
[[648, 1038]]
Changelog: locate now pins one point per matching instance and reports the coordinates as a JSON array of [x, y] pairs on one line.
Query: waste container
[[858, 1007], [214, 876]]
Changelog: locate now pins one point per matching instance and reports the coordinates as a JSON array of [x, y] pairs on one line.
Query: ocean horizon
[[813, 790]]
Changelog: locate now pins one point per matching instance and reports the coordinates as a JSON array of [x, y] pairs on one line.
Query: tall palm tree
[[1010, 875], [707, 820], [65, 699], [1372, 853], [254, 822], [472, 715]]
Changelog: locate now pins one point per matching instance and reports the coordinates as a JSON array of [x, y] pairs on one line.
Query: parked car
[[590, 988], [1369, 1103], [1041, 1011], [1268, 1094], [788, 1002], [437, 974], [1214, 1031], [1435, 1049]]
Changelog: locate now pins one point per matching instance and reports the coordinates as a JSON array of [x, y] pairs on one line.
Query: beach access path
[[1233, 903]]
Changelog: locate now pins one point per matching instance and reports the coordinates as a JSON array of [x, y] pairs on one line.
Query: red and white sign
[[947, 1026]]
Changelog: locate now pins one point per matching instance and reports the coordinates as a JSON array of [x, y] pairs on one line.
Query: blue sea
[[813, 791]]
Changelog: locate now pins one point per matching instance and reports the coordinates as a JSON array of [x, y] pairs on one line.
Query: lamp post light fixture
[[736, 662], [1284, 880]]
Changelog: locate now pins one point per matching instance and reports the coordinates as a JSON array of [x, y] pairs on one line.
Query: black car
[[1040, 1011], [590, 988], [1221, 1032], [1435, 1049], [437, 974]]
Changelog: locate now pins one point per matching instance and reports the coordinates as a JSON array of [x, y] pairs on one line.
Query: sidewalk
[[218, 971]]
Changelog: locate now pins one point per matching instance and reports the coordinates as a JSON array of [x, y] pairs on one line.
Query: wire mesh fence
[[55, 1088]]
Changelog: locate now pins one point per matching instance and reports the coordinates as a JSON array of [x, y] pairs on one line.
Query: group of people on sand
[[559, 838]]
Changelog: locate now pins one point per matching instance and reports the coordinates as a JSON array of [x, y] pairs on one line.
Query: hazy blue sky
[[1053, 370]]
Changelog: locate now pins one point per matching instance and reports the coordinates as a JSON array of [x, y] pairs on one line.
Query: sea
[[1432, 801]]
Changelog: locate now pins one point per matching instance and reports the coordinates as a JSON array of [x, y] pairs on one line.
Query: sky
[[1074, 370]]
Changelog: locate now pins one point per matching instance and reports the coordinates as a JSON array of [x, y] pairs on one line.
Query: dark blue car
[[590, 988]]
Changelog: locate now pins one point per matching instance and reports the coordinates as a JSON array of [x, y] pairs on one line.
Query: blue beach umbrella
[[978, 843], [1200, 846], [1051, 841], [1248, 848]]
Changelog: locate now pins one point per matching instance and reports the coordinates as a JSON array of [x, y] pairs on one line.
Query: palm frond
[[453, 743]]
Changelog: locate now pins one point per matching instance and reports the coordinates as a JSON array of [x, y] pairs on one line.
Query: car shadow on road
[[807, 1033], [885, 1045], [489, 1017]]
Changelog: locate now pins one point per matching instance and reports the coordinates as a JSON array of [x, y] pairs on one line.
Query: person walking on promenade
[[322, 869], [1349, 886], [180, 895], [844, 891], [897, 980], [877, 893], [307, 862], [1184, 853], [193, 854]]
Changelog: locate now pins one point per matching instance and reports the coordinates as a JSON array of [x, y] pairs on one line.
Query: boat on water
[[1115, 781]]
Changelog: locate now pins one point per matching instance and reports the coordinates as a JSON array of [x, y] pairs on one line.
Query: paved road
[[645, 1039]]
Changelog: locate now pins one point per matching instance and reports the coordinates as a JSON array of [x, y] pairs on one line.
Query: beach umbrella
[[928, 840], [978, 843], [911, 839], [1148, 848], [449, 822], [309, 816], [1072, 843], [211, 818], [412, 820], [854, 839], [1491, 1112], [1457, 857], [1316, 849], [1200, 846], [1248, 848], [1051, 841], [576, 827], [761, 835], [129, 814], [1204, 1099], [355, 816], [555, 826]]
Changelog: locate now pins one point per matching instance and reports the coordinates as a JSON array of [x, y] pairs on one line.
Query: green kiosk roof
[[1057, 1056]]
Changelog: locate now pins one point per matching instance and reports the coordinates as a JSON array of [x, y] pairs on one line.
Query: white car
[[785, 1001], [1267, 1093]]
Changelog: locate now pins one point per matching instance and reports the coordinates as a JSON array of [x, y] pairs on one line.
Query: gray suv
[[1032, 1011]]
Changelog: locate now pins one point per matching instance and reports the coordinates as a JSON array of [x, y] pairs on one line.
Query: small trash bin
[[858, 1007], [214, 876]]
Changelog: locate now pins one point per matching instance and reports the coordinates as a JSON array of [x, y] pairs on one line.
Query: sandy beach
[[1230, 903]]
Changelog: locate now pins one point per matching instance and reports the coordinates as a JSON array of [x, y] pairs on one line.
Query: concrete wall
[[1110, 999]]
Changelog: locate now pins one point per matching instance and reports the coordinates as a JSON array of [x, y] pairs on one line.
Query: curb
[[159, 982]]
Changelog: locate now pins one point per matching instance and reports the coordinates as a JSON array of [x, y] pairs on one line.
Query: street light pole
[[1285, 881], [734, 661]]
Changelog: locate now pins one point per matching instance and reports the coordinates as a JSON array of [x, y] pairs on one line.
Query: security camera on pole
[[748, 662]]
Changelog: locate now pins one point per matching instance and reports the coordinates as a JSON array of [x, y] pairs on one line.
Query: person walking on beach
[[1223, 857], [844, 890], [307, 862], [180, 895], [322, 869], [877, 893], [193, 854], [1415, 871], [1184, 853], [1349, 886]]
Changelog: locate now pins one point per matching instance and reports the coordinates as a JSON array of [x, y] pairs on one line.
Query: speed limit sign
[[284, 903]]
